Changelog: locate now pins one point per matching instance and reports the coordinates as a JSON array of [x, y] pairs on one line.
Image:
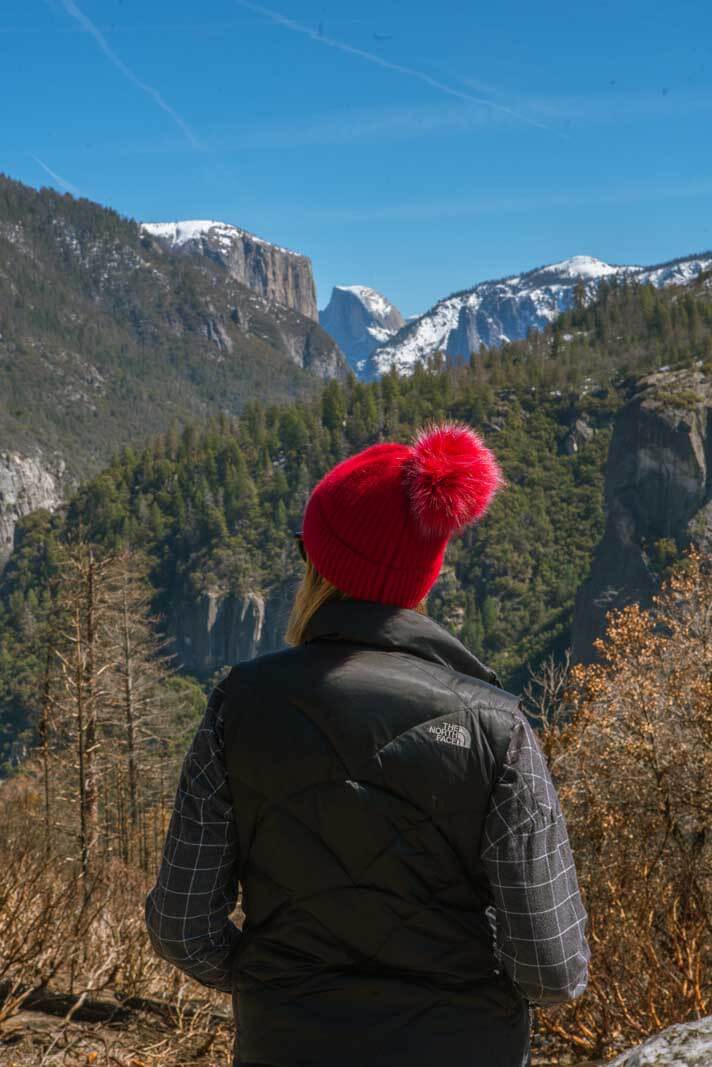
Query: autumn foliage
[[633, 763]]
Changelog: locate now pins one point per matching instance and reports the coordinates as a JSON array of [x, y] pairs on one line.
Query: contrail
[[71, 8], [57, 178], [371, 57]]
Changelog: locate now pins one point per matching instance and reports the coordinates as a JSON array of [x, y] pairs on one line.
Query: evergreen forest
[[213, 504]]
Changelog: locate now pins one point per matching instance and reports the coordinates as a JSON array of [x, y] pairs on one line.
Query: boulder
[[683, 1045]]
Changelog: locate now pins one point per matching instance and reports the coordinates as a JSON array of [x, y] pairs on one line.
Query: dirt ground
[[34, 1039]]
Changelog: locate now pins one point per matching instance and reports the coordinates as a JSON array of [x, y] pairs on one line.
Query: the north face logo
[[451, 733]]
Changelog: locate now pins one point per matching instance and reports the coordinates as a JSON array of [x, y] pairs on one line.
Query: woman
[[407, 880]]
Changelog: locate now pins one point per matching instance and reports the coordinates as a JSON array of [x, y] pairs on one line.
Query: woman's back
[[361, 765]]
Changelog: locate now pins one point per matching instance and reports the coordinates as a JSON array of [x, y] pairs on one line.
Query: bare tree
[[84, 818], [83, 663], [136, 710]]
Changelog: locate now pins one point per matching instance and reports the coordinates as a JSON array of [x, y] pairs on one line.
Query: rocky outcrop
[[578, 436], [278, 275], [26, 484], [658, 491], [359, 319], [219, 629], [683, 1045], [304, 341]]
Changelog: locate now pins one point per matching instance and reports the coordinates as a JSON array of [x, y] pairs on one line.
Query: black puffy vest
[[361, 765]]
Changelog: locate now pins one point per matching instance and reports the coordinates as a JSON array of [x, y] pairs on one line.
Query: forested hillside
[[213, 506], [105, 338]]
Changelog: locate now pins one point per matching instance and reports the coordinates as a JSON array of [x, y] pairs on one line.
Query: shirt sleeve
[[187, 911], [540, 920]]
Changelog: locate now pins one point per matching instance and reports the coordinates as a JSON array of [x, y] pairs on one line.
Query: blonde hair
[[313, 592]]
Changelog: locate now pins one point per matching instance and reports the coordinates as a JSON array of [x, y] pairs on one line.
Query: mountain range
[[492, 313]]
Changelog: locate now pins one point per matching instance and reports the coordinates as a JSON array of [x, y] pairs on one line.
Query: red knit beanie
[[377, 525]]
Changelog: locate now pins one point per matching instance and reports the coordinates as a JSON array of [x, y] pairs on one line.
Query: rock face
[[26, 483], [578, 436], [303, 341], [684, 1045], [658, 489], [220, 629], [359, 319], [495, 312], [278, 275]]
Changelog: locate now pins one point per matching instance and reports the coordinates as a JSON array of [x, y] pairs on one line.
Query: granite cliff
[[275, 273], [360, 319], [26, 484], [217, 628], [658, 494]]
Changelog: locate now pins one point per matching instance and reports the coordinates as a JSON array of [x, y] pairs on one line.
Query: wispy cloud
[[373, 124], [357, 124], [57, 177], [503, 204], [619, 105], [86, 24], [385, 64]]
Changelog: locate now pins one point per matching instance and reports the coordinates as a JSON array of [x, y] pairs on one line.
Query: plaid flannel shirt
[[537, 914]]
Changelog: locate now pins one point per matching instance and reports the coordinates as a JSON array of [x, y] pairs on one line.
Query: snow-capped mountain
[[360, 319], [495, 312], [277, 274]]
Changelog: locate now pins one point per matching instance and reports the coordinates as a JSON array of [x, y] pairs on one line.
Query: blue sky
[[415, 147]]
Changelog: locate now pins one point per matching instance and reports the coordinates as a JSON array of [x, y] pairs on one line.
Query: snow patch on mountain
[[375, 302], [495, 312], [180, 233], [582, 267], [679, 272]]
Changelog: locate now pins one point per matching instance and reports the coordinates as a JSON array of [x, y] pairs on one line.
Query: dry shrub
[[634, 771], [44, 917], [62, 932]]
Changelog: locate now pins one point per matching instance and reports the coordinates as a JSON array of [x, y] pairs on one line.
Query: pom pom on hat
[[450, 478]]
